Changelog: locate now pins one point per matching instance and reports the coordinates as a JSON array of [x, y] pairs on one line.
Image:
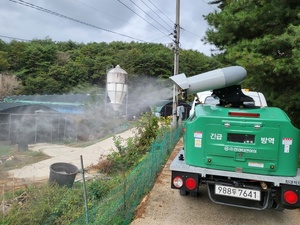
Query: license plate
[[237, 192]]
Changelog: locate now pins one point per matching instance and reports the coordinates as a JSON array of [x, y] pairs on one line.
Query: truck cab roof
[[205, 97]]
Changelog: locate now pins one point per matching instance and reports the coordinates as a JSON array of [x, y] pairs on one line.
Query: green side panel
[[267, 144]]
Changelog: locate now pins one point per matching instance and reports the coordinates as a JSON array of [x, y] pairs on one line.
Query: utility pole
[[176, 35]]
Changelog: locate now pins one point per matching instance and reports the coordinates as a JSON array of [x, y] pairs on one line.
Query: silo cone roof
[[117, 69]]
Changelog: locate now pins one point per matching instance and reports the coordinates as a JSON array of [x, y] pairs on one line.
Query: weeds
[[51, 204], [130, 151]]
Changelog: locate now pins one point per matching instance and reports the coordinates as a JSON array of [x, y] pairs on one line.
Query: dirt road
[[164, 206]]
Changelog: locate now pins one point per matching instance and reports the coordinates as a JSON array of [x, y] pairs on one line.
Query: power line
[[101, 11], [148, 15], [208, 4], [140, 16], [108, 14], [27, 4], [190, 32], [154, 39], [156, 14], [160, 11], [13, 38]]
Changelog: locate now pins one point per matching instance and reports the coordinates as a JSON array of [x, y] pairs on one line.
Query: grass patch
[[51, 204], [5, 149], [12, 158]]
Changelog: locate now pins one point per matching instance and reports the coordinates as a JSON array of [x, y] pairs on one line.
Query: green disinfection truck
[[246, 154]]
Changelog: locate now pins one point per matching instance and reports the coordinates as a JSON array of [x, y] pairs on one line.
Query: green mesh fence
[[119, 205]]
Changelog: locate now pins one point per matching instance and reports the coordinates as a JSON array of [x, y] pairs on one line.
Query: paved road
[[60, 153], [164, 206]]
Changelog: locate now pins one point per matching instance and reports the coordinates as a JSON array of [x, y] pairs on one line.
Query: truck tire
[[277, 206]]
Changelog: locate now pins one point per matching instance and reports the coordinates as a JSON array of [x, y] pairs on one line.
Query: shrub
[[46, 204], [130, 151]]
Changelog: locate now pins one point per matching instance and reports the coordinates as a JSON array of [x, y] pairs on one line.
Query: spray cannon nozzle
[[214, 79]]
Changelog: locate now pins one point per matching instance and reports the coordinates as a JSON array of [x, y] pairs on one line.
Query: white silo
[[116, 86]]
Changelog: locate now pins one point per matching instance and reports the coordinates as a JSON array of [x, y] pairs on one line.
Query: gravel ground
[[164, 206]]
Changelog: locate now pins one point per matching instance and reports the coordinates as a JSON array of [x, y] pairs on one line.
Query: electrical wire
[[27, 4], [190, 32], [157, 38], [160, 11], [149, 15], [156, 13], [141, 17], [208, 4], [117, 18], [14, 38], [22, 2]]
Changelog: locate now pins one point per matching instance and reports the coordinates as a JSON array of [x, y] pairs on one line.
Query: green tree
[[40, 55], [47, 67], [4, 64], [262, 36], [42, 84], [16, 55], [193, 62]]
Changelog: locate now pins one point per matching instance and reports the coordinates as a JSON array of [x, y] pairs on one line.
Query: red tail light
[[290, 197], [243, 114], [191, 183]]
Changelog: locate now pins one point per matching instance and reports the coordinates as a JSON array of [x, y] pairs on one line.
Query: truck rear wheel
[[277, 206]]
